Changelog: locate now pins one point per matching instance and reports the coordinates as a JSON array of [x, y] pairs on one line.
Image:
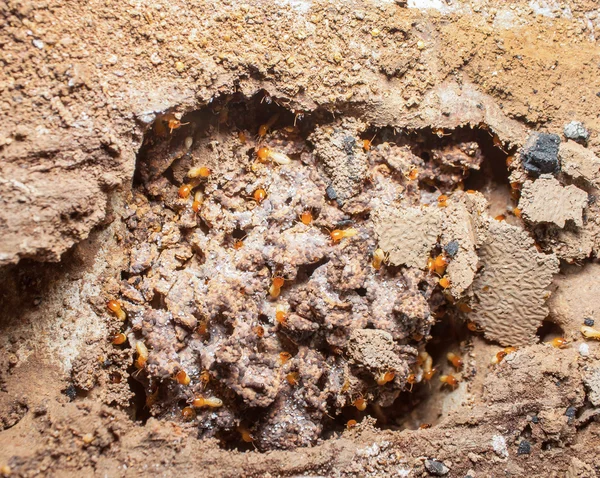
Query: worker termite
[[204, 377], [379, 258], [444, 282], [185, 191], [293, 378], [499, 356], [517, 212], [559, 342], [284, 357], [424, 426], [338, 234], [351, 424], [245, 434], [264, 128], [360, 404], [142, 354], [440, 133], [473, 327], [384, 378], [449, 380], [589, 332], [207, 402], [500, 217], [442, 200], [437, 264], [428, 374], [116, 309], [306, 218], [455, 360], [276, 286], [199, 172], [267, 154], [188, 414], [280, 314], [367, 143], [411, 380], [182, 378], [259, 195], [259, 330], [119, 339], [174, 123], [198, 199]]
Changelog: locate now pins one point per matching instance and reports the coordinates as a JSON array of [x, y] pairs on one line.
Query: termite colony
[[249, 274]]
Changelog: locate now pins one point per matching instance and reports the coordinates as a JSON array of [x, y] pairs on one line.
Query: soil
[[410, 128]]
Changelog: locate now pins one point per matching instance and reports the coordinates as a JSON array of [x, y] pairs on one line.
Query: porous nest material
[[408, 234], [545, 200], [196, 289], [510, 291], [343, 156], [579, 162]]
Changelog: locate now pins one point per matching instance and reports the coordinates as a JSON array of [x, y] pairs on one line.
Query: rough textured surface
[[546, 200], [575, 130], [81, 81], [511, 290], [408, 234], [579, 162]]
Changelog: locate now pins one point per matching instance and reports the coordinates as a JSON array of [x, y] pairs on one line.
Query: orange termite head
[[242, 137], [245, 434], [428, 375], [259, 331], [278, 281], [238, 244], [444, 282], [517, 212], [202, 328], [339, 234], [559, 342], [442, 200], [276, 286], [455, 360], [199, 172], [384, 378], [280, 314], [184, 191], [119, 339], [259, 195], [351, 423], [116, 309], [423, 426], [262, 130], [182, 378], [440, 263], [411, 378], [413, 174], [284, 357], [205, 376], [500, 217], [293, 378], [188, 414], [263, 153], [366, 144], [449, 380], [360, 404], [306, 218]]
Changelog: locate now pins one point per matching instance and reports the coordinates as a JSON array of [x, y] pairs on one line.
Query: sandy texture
[[511, 289], [545, 200], [579, 162], [408, 234]]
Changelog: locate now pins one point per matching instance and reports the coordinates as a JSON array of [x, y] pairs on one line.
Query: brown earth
[[80, 84]]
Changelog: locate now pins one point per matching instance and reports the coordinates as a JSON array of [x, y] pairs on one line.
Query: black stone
[[571, 412], [540, 154], [436, 468], [452, 248], [70, 392], [589, 322], [524, 448], [535, 419]]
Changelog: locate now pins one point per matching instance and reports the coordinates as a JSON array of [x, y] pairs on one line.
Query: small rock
[[331, 194], [452, 248], [70, 392], [584, 349], [535, 419], [155, 59], [436, 468], [179, 66], [540, 154], [576, 131], [524, 448], [570, 413], [38, 43], [589, 322]]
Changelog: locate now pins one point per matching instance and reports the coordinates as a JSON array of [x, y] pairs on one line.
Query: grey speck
[[436, 468], [576, 131]]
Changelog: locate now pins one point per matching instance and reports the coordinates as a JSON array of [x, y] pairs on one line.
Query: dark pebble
[[524, 448], [70, 392], [571, 412], [452, 248], [535, 419], [331, 194], [436, 468], [540, 154], [589, 322]]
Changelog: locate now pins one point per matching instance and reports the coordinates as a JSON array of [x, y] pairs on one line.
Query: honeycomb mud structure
[[287, 271]]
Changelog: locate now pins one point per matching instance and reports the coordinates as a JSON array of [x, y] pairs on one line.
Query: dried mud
[[411, 127]]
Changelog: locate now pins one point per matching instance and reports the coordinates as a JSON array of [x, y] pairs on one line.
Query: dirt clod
[[540, 154]]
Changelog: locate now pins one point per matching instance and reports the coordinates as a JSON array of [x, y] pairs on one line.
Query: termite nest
[[258, 305]]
